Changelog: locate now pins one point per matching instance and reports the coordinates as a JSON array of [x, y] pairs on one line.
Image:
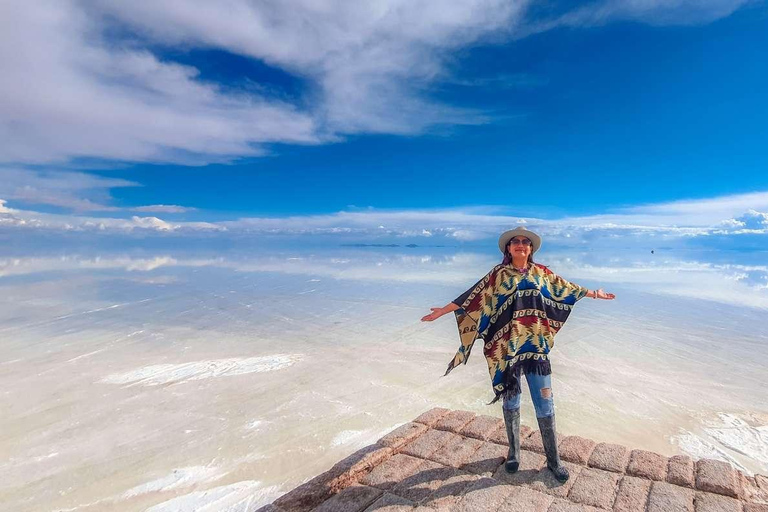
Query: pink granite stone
[[762, 482], [481, 427], [534, 442], [499, 436], [450, 491], [390, 503], [355, 498], [594, 487], [632, 494], [427, 477], [610, 457], [486, 460], [427, 443], [403, 434], [483, 495], [680, 471], [454, 421], [269, 508], [751, 489], [527, 500], [530, 466], [392, 471], [576, 449], [716, 476], [666, 497], [432, 416], [561, 505], [648, 465], [545, 481], [342, 474], [706, 502], [456, 451], [349, 469], [755, 507], [306, 496]]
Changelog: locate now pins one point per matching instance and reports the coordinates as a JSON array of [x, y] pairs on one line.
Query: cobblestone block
[[595, 487], [352, 499], [423, 481], [680, 471], [632, 494], [716, 476], [403, 434], [576, 449], [666, 497], [482, 426], [527, 500], [486, 460], [454, 421], [609, 457], [450, 491], [648, 465], [561, 505], [427, 443], [392, 471], [706, 502], [432, 416], [456, 451], [390, 503], [483, 495]]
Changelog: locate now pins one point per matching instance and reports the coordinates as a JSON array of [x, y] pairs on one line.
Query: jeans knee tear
[[546, 393]]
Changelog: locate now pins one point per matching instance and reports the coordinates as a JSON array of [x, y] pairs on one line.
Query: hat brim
[[509, 235]]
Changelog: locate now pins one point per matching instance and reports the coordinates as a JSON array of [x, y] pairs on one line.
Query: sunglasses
[[520, 241]]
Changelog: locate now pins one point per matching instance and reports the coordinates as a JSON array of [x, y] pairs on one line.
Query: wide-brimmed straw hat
[[519, 231]]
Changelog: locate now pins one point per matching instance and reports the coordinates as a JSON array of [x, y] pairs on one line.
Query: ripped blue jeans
[[543, 401]]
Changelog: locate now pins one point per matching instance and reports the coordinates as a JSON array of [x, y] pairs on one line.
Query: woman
[[517, 308]]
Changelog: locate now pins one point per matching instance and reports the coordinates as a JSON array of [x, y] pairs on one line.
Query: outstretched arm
[[438, 312], [600, 294]]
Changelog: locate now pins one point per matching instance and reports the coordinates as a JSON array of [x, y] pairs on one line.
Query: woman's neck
[[519, 262]]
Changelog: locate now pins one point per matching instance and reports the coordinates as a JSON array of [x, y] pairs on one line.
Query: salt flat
[[175, 379]]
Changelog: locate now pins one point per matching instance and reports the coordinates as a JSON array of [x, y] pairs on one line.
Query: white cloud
[[70, 89], [163, 208], [67, 92], [74, 190], [653, 12], [654, 224], [752, 221]]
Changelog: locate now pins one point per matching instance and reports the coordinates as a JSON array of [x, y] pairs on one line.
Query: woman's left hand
[[602, 294]]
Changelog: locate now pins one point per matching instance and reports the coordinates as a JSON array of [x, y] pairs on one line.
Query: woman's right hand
[[434, 315]]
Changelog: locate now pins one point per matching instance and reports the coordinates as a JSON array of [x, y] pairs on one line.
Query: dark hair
[[508, 258]]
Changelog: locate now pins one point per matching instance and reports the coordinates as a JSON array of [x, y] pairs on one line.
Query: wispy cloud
[[653, 12], [164, 208], [70, 89], [728, 215], [73, 190]]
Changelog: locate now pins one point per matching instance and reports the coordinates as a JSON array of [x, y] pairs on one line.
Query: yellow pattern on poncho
[[517, 315]]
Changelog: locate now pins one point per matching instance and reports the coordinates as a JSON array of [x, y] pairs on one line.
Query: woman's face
[[519, 247]]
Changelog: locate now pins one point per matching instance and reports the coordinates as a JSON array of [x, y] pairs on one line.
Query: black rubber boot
[[512, 422], [549, 439]]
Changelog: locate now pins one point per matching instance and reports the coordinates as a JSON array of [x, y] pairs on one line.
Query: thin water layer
[[175, 380]]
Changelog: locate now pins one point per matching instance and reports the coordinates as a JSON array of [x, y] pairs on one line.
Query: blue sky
[[184, 113]]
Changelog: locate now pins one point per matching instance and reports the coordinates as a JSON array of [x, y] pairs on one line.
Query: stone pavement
[[453, 461]]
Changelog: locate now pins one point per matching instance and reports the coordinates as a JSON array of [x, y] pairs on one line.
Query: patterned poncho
[[517, 315]]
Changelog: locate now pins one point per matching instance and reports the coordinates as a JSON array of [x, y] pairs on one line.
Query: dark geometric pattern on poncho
[[517, 315]]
